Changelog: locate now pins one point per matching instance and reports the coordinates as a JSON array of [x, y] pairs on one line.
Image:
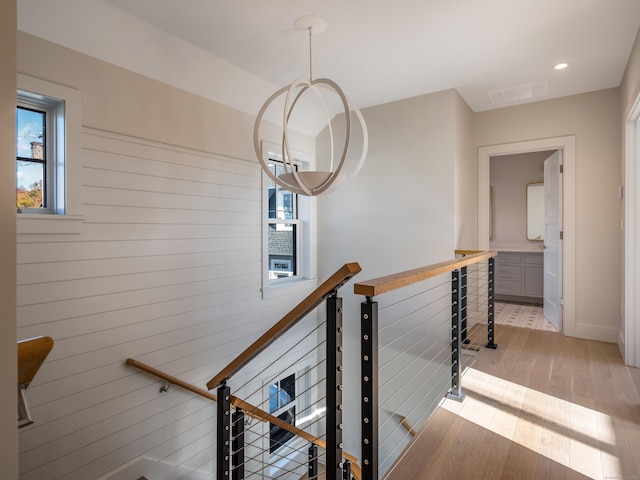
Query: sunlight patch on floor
[[569, 434]]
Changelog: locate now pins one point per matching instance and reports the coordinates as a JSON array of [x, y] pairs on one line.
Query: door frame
[[568, 146], [629, 337]]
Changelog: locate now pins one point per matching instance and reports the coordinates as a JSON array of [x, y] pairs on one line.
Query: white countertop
[[523, 248]]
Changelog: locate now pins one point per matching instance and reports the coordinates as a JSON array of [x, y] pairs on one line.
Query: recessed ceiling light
[[561, 66]]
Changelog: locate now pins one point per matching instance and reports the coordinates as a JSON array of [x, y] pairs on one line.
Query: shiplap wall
[[166, 269]]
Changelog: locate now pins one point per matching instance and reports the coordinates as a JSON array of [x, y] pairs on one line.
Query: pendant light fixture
[[313, 183]]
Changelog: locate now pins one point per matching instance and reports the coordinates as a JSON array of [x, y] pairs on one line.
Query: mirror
[[535, 211]]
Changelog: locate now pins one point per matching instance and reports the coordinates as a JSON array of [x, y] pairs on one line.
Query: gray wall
[[509, 176], [594, 119], [466, 196], [8, 370], [400, 212], [630, 86], [629, 90]]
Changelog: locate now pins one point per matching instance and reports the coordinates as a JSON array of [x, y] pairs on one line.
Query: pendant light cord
[[310, 57]]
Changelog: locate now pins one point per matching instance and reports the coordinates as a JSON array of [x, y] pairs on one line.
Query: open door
[[553, 239]]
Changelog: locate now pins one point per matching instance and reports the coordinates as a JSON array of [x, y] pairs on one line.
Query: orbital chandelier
[[313, 183]]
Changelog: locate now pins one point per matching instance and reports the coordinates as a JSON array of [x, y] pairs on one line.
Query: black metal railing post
[[463, 305], [237, 456], [490, 316], [313, 462], [456, 337], [334, 387], [346, 470], [223, 446], [369, 388]]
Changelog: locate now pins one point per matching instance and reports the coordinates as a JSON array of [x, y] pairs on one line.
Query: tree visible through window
[[31, 158]]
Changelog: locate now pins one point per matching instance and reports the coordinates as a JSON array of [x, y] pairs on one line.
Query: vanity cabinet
[[519, 276]]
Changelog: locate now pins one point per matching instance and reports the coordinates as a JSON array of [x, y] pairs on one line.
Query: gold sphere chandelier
[[313, 183]]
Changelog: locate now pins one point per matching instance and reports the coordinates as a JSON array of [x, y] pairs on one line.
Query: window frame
[[53, 194], [67, 216], [306, 248]]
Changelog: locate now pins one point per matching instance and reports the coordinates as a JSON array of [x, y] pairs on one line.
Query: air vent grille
[[522, 92]]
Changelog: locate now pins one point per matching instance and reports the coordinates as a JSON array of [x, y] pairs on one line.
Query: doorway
[[526, 287], [567, 146]]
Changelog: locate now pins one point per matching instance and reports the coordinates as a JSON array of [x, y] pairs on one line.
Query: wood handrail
[[388, 283], [31, 355], [339, 278], [247, 408], [176, 381], [467, 252]]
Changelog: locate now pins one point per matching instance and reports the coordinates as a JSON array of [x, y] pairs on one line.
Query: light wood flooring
[[541, 406]]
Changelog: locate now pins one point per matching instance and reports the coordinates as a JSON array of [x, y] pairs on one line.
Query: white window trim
[[53, 142], [307, 221], [68, 217]]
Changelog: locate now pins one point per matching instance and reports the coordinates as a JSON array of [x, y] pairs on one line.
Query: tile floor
[[522, 315]]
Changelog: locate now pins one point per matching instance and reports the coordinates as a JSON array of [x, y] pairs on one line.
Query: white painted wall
[[166, 268], [594, 120], [8, 367]]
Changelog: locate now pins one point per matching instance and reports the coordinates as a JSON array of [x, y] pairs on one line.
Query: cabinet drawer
[[508, 257], [508, 287], [533, 259], [508, 272]]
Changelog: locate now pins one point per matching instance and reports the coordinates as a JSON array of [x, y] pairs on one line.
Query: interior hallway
[[541, 406]]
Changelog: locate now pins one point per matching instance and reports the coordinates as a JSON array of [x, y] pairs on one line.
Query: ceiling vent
[[522, 92]]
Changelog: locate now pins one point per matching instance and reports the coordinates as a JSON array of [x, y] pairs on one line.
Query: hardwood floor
[[541, 406]]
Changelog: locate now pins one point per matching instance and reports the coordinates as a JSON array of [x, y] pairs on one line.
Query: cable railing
[[296, 377], [279, 402], [279, 406], [418, 335]]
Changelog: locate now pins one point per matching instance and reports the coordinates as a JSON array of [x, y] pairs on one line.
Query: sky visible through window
[[29, 128]]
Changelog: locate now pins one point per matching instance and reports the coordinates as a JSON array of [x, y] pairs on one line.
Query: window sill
[[285, 288], [38, 223]]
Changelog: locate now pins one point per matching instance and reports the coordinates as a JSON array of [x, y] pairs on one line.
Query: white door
[[553, 240]]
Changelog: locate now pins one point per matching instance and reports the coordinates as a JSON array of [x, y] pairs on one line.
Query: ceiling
[[380, 51], [238, 52]]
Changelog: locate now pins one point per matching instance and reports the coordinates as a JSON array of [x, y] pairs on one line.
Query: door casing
[[568, 146]]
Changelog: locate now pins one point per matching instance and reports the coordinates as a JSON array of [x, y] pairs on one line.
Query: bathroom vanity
[[519, 276]]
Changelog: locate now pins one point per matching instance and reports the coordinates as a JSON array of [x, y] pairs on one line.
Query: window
[[48, 153], [35, 147], [283, 228], [289, 231], [281, 403]]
